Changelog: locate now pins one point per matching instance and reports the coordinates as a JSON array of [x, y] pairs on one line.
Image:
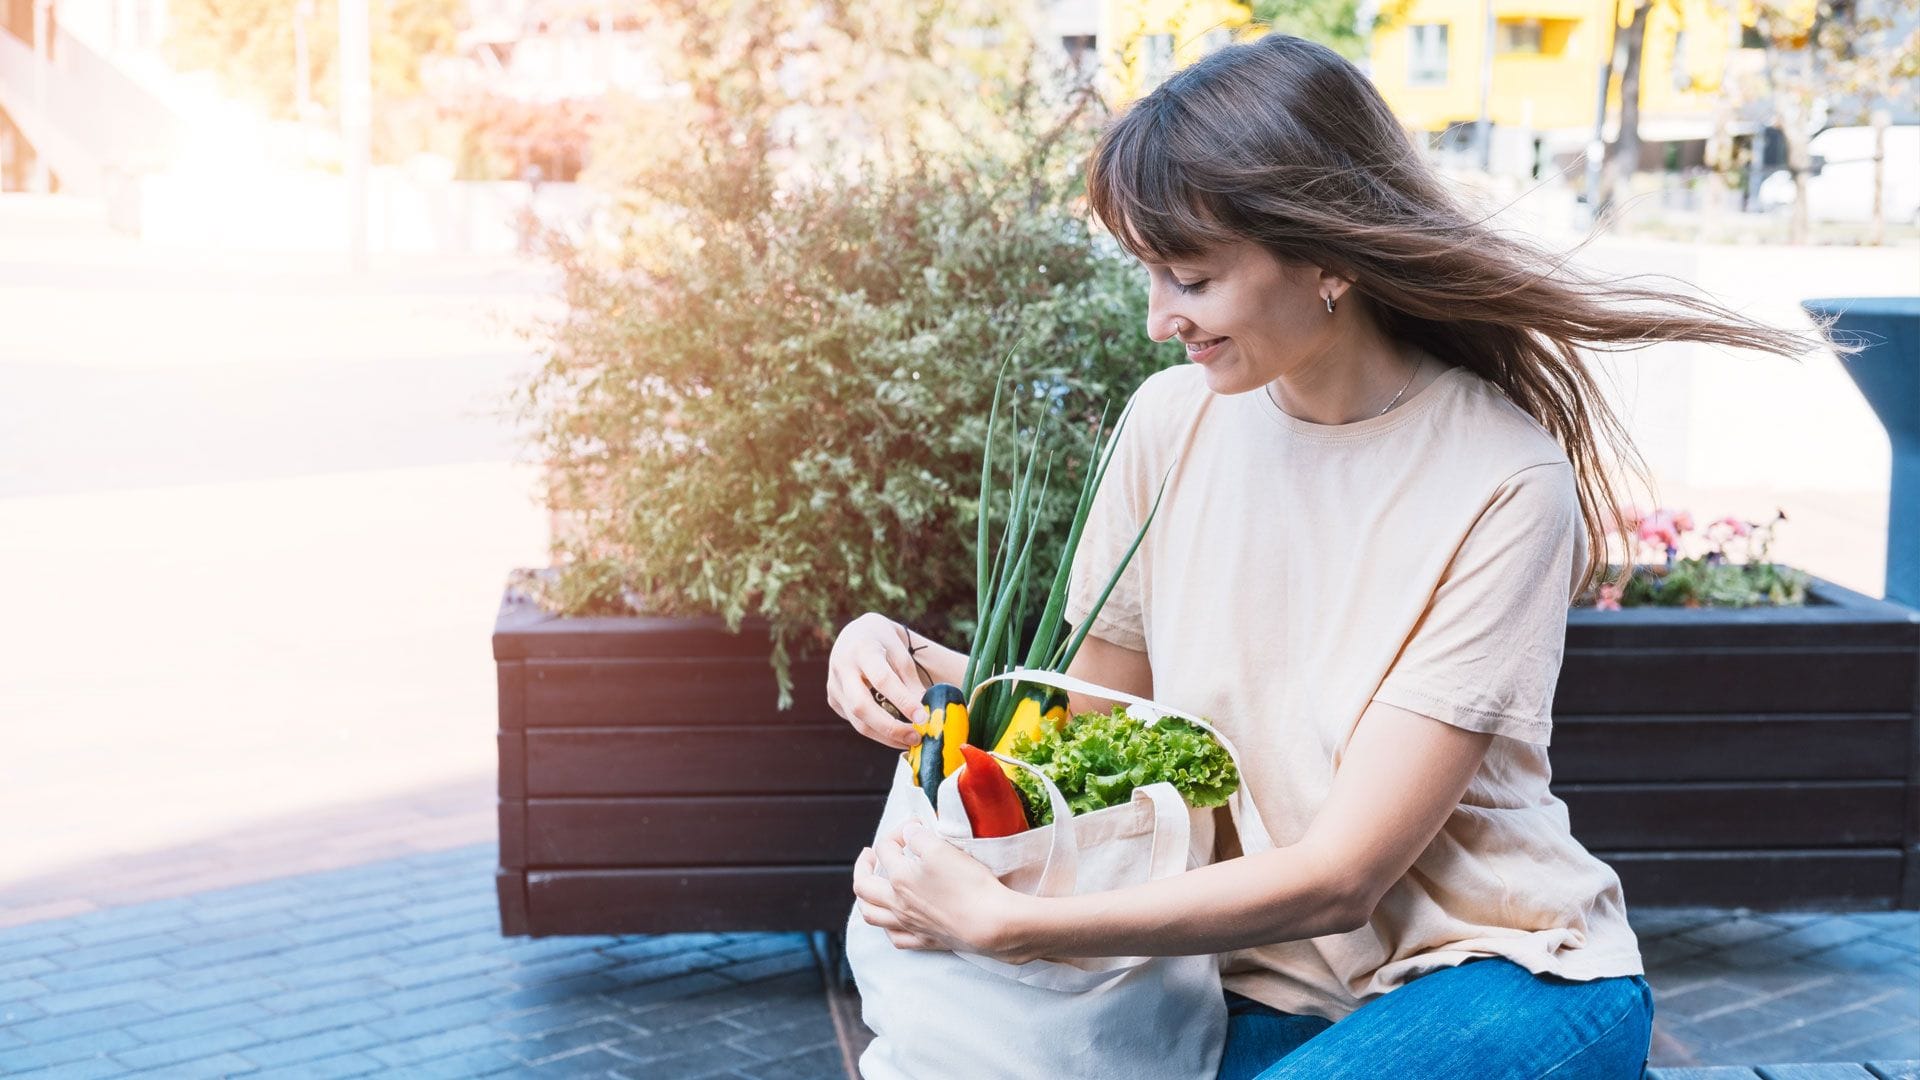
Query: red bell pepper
[[993, 806]]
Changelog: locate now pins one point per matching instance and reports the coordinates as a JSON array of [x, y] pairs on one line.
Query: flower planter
[[648, 784], [1760, 757], [1765, 757]]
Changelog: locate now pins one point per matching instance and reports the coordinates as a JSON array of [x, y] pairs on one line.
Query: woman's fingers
[[877, 900], [875, 895], [881, 671], [906, 939], [895, 860], [853, 699], [857, 702], [880, 917], [870, 887]]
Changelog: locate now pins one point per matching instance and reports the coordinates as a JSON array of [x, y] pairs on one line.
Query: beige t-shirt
[[1425, 558]]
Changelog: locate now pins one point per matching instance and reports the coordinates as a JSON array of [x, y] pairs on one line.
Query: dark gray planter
[[648, 784], [1764, 757]]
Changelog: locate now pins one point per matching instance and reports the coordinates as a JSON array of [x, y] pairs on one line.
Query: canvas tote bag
[[960, 1016]]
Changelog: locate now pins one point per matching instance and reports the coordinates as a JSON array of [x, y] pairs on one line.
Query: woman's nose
[[1162, 324]]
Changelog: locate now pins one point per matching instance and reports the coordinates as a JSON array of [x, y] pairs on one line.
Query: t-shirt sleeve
[[1120, 505], [1485, 654]]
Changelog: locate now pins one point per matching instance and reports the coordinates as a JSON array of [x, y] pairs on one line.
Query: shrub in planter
[[776, 408], [764, 410]]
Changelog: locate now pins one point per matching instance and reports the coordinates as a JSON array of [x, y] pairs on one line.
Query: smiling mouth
[[1194, 348]]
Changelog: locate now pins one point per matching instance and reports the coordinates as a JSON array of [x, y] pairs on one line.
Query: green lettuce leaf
[[1097, 759]]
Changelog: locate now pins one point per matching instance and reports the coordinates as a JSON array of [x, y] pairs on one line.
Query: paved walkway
[[1737, 989], [397, 968]]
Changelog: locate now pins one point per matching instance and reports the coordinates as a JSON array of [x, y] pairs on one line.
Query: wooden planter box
[[1765, 757], [1760, 758], [648, 784]]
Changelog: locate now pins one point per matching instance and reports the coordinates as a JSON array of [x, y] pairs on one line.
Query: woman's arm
[[1402, 775], [1115, 667]]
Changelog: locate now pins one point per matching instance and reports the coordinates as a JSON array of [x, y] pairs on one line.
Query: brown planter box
[[648, 784], [1767, 758], [1764, 757]]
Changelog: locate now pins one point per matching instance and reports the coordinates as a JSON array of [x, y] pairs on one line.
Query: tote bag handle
[[1171, 833], [1061, 871], [1171, 827], [1252, 830]]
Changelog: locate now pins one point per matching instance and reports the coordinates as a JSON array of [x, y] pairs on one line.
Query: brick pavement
[[397, 968], [1733, 988], [1738, 988]]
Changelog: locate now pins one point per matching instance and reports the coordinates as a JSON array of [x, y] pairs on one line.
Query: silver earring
[[1329, 300], [1178, 327]]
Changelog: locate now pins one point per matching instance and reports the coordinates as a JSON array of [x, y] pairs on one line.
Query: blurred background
[[288, 289]]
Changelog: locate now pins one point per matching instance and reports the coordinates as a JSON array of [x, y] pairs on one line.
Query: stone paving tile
[[1730, 931], [600, 1032], [817, 1062], [343, 1065], [1706, 999], [1739, 988], [1817, 933], [398, 969], [1671, 950]]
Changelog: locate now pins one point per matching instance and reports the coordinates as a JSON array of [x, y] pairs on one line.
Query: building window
[[1081, 54], [1427, 54], [1521, 36], [1159, 58]]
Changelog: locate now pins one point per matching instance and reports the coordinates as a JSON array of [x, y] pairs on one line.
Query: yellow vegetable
[[1037, 705]]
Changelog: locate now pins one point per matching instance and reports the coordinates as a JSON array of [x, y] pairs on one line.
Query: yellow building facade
[[1548, 56], [1427, 59], [1145, 41]]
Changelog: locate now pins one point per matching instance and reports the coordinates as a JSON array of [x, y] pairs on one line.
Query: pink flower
[[1683, 521], [1660, 530], [1739, 528], [1609, 598]]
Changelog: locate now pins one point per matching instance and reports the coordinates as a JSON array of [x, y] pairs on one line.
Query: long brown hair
[[1284, 143]]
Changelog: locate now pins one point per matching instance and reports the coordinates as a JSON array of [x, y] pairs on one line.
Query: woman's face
[[1245, 317]]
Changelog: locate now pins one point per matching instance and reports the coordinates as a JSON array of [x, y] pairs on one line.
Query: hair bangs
[[1141, 192]]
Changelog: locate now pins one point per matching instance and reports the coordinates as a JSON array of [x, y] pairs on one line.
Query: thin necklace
[[1422, 362]]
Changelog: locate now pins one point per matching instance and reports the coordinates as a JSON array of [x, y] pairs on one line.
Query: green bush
[[774, 405]]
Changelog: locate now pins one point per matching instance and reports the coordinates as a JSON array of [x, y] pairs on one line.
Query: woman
[[1387, 484]]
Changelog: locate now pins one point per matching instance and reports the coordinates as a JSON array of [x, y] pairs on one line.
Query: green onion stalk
[[1001, 586]]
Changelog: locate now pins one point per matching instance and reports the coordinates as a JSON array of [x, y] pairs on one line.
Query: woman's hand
[[871, 655], [935, 896]]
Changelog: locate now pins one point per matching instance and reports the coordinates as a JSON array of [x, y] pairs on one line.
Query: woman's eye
[[1191, 287]]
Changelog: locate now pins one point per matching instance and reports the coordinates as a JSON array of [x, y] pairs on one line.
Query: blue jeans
[[1486, 1019]]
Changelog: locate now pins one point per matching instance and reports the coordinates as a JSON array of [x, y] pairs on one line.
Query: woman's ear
[[1330, 283]]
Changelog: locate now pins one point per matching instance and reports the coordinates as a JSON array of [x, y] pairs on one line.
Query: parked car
[[1841, 187]]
